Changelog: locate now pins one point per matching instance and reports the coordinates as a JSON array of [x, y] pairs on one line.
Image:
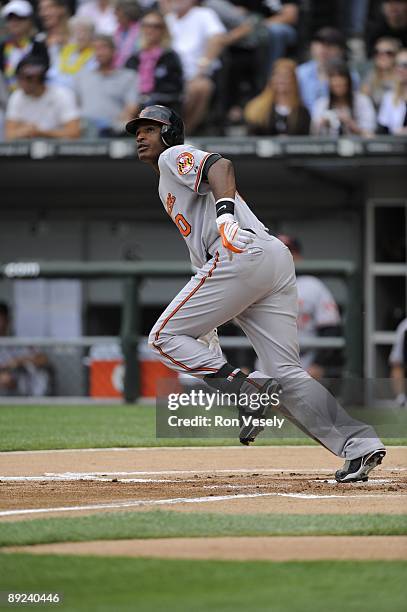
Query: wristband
[[225, 206]]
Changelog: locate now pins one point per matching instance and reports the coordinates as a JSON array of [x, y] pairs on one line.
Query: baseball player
[[246, 274], [398, 364], [318, 314]]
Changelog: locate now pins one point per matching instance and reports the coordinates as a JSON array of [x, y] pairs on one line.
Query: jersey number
[[183, 225]]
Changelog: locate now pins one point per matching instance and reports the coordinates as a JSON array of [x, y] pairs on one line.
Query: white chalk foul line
[[76, 478], [257, 472], [183, 500]]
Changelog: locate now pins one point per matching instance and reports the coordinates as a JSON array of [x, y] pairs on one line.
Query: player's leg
[[213, 296], [270, 324]]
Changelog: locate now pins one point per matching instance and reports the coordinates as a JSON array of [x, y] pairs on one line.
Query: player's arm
[[221, 179]]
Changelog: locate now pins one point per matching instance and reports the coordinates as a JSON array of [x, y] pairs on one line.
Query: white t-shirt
[[392, 115], [364, 114], [105, 22], [50, 111], [190, 35], [397, 355]]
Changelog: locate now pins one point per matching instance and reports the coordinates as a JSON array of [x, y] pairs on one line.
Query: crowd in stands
[[82, 68]]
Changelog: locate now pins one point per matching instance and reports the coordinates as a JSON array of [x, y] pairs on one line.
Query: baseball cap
[[291, 242], [21, 8]]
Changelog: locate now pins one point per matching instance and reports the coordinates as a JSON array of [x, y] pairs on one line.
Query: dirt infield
[[239, 549], [224, 479]]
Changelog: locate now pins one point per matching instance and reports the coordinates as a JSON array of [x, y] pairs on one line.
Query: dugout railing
[[132, 274]]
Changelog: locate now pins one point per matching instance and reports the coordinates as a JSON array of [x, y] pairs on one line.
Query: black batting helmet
[[172, 126]]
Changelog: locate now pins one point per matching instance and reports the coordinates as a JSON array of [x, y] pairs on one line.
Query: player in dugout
[[246, 274]]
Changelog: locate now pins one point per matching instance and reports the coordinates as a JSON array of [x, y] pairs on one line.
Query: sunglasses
[[151, 24], [388, 52]]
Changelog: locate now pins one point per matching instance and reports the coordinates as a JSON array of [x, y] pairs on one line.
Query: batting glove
[[211, 340], [234, 238]]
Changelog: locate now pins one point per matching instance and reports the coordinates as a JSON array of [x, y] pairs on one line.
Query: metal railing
[[133, 273]]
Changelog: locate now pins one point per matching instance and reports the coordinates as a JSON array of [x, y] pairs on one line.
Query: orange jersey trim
[[184, 301]]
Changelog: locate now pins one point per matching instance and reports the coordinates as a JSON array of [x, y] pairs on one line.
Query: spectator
[[159, 68], [102, 15], [279, 109], [23, 372], [21, 39], [343, 111], [282, 24], [392, 23], [327, 45], [54, 15], [107, 96], [318, 316], [36, 109], [352, 21], [127, 35], [381, 77], [398, 364], [3, 104], [75, 57], [393, 111], [198, 37]]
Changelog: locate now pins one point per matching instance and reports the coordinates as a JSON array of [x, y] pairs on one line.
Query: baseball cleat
[[355, 470], [250, 427]]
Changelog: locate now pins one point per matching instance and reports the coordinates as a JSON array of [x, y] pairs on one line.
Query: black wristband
[[225, 206]]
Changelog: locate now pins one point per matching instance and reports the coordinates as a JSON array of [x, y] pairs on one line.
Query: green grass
[[167, 524], [117, 584], [90, 426]]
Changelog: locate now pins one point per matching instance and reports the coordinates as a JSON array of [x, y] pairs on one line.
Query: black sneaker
[[249, 429], [358, 469]]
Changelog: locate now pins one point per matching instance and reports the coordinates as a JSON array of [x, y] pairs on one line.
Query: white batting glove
[[211, 340], [234, 238]]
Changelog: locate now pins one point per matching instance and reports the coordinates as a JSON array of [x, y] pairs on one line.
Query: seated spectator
[[127, 35], [198, 37], [36, 109], [392, 117], [318, 316], [159, 68], [21, 39], [327, 45], [391, 23], [381, 77], [398, 364], [343, 111], [107, 96], [54, 16], [102, 15], [75, 57], [282, 23], [352, 21], [23, 372], [278, 109], [3, 104]]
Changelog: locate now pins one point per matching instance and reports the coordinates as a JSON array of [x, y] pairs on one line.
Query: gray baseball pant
[[257, 289]]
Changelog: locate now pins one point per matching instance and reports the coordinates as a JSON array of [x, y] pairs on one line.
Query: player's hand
[[211, 340], [234, 238]]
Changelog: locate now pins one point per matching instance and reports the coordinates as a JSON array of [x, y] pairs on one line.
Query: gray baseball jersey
[[316, 308], [190, 203], [398, 352]]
